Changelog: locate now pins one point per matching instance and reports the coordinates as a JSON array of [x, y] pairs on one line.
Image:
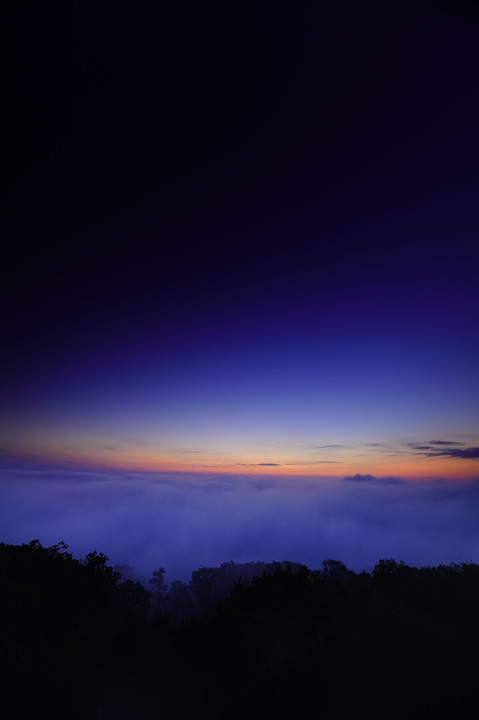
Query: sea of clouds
[[184, 521]]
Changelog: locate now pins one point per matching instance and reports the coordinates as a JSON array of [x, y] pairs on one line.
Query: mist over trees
[[80, 639], [207, 588]]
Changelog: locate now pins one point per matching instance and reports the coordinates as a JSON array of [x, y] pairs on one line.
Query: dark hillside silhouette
[[239, 640]]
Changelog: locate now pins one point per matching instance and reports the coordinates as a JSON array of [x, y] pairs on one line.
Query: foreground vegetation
[[238, 641]]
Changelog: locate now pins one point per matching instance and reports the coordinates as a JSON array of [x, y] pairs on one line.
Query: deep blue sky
[[241, 238]]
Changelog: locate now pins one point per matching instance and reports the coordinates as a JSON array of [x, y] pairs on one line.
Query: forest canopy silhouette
[[240, 639]]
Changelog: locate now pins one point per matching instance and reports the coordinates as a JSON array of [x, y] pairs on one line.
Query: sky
[[242, 248]]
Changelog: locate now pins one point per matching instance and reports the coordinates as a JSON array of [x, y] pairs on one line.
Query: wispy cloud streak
[[445, 448]]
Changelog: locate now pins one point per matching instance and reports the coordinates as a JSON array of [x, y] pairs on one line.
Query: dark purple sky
[[241, 239]]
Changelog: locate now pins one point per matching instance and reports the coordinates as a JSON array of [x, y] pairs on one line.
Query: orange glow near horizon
[[250, 463], [248, 453]]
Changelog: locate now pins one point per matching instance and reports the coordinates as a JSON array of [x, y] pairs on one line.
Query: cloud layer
[[183, 521]]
